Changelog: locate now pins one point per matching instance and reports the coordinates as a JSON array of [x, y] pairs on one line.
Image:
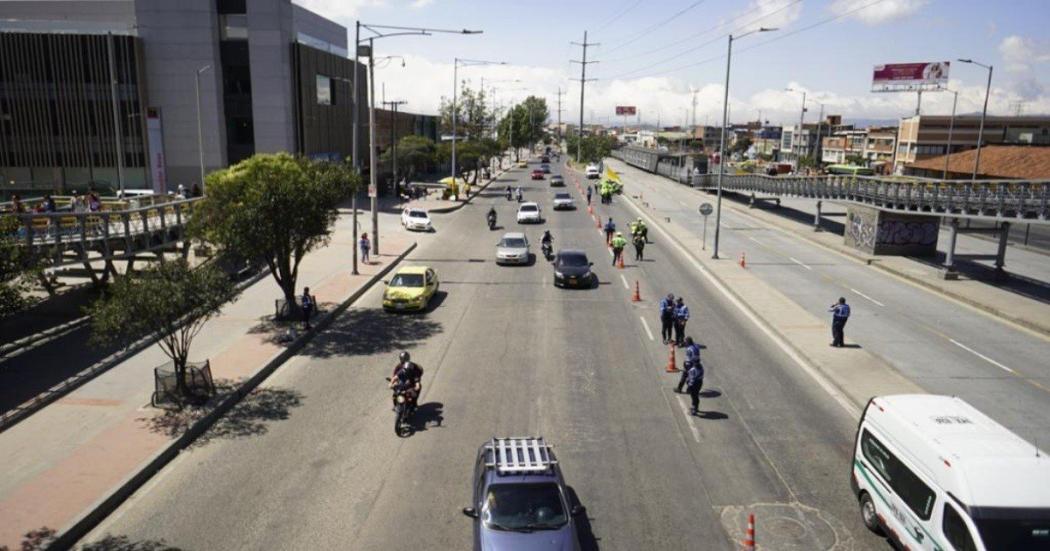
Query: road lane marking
[[687, 412], [796, 261], [755, 240], [866, 296], [625, 284], [821, 380], [645, 324], [981, 356]]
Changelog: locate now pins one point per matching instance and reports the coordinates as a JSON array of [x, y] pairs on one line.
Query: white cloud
[[1019, 53], [769, 13], [421, 3], [878, 13]]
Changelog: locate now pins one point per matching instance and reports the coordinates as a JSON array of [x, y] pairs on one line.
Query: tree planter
[[199, 384]]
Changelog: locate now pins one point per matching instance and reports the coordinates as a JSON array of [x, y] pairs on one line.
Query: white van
[[592, 172], [934, 473]]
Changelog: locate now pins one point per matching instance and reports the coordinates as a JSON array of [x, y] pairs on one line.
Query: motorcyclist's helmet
[[404, 357]]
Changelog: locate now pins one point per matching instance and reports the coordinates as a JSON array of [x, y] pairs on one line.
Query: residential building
[[879, 145], [835, 149], [1012, 162], [272, 76], [711, 136], [805, 142], [924, 136]]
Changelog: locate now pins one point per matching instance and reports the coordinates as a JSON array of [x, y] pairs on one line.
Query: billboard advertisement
[[627, 110], [905, 77]]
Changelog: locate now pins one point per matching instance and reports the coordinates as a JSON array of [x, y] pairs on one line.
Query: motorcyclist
[[638, 229], [491, 216], [519, 194], [546, 242], [407, 378], [508, 193]]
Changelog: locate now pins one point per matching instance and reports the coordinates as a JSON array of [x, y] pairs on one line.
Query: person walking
[[588, 196], [365, 246], [610, 230], [308, 307], [666, 317], [692, 356], [639, 247], [681, 316], [694, 382], [618, 243], [839, 315]]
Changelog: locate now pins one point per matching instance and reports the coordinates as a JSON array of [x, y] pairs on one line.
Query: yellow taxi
[[411, 288], [523, 164]]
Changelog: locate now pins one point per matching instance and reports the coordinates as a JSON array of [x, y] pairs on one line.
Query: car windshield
[[528, 208], [523, 507], [407, 280], [513, 243], [417, 214], [572, 260], [1014, 529], [562, 196]]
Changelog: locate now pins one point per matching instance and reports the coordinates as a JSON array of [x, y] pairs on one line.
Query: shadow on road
[[368, 331], [123, 543], [250, 417], [713, 415], [428, 415], [588, 541]]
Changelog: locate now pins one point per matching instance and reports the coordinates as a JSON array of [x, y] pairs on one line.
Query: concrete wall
[[74, 16], [270, 37], [308, 22], [179, 38], [880, 232]]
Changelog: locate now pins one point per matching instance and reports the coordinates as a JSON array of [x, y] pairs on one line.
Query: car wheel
[[868, 514]]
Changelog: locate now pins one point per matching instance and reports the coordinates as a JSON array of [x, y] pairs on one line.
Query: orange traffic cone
[[619, 261], [590, 209], [637, 293], [671, 368], [743, 261], [749, 539]]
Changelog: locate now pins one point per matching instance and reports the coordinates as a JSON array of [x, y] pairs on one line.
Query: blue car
[[520, 498]]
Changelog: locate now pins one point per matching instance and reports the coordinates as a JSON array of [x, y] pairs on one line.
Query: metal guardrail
[[1026, 200]]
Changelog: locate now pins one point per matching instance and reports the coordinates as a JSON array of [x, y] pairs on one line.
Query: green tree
[[414, 154], [806, 161], [741, 145], [594, 147], [275, 208], [525, 123], [473, 114], [169, 302], [857, 160], [15, 268]]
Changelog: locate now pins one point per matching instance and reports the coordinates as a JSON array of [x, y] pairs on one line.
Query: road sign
[[706, 209], [372, 190]]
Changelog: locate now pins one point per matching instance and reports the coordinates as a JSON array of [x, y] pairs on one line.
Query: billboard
[[910, 77], [625, 110]]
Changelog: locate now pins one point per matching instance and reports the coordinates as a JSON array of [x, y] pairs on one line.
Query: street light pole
[[373, 188], [951, 128], [984, 112], [722, 144], [455, 88], [801, 121], [200, 131]]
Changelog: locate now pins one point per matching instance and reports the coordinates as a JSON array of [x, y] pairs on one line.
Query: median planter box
[[880, 232]]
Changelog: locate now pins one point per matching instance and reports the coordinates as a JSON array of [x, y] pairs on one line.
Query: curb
[[14, 348], [86, 375], [102, 508]]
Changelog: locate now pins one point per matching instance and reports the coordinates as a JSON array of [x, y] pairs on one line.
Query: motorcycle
[[508, 194], [404, 407], [492, 222], [547, 251], [519, 195]]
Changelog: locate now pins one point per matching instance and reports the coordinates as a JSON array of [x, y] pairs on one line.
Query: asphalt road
[[316, 465]]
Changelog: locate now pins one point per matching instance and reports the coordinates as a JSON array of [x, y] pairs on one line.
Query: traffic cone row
[[637, 293], [749, 538]]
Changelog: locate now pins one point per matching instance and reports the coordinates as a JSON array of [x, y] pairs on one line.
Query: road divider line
[[796, 261], [762, 325], [645, 324], [625, 284], [981, 356], [866, 296], [755, 240]]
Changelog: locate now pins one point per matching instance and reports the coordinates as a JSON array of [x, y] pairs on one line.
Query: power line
[[583, 86], [611, 20], [655, 25]]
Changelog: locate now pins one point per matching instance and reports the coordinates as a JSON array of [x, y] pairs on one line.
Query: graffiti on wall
[[861, 230], [906, 232], [879, 232]]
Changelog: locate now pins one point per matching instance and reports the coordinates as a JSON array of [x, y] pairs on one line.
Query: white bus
[[934, 473]]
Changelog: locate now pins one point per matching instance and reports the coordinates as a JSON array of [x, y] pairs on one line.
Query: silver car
[[513, 248]]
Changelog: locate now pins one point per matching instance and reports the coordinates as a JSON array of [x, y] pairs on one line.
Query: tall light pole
[[984, 112], [951, 128], [200, 131], [456, 62], [722, 144], [801, 121], [378, 31]]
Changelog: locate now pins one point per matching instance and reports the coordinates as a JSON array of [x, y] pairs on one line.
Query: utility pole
[[393, 135], [583, 86], [692, 128], [560, 94]]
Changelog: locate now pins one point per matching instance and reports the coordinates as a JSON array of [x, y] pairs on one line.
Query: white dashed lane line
[[797, 261], [981, 356], [866, 296], [645, 324], [625, 284]]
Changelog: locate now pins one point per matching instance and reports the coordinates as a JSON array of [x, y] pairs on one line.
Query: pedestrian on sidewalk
[[308, 307], [692, 356], [666, 317], [839, 315], [610, 230], [588, 196], [694, 382], [365, 246], [618, 243], [639, 247], [681, 316]]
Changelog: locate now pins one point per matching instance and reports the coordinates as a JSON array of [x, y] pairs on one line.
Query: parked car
[[592, 172], [411, 288], [563, 201], [416, 219], [520, 499], [572, 269], [557, 181], [529, 212], [513, 248], [537, 174]]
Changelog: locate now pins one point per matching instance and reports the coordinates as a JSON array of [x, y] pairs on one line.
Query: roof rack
[[519, 455]]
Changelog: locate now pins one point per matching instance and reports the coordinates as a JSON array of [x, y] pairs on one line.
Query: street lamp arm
[[413, 33], [373, 28]]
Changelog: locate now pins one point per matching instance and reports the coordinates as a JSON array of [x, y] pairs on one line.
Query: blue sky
[[832, 60]]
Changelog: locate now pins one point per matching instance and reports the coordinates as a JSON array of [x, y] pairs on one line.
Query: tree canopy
[[15, 270], [595, 147]]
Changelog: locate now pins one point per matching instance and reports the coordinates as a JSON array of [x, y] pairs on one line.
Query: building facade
[[270, 76], [924, 136], [807, 141]]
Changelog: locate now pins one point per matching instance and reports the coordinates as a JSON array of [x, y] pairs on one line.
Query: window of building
[[324, 90], [234, 26]]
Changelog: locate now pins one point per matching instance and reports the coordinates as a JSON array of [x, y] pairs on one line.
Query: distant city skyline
[[652, 54]]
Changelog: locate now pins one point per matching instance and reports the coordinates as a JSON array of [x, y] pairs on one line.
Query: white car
[[513, 248], [416, 219], [592, 172], [563, 201], [529, 213]]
